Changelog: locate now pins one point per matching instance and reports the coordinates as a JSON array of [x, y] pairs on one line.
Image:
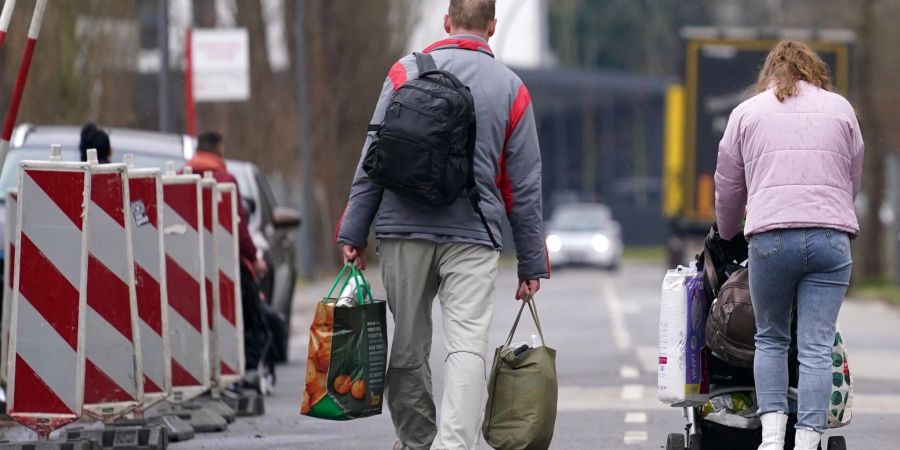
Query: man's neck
[[459, 31]]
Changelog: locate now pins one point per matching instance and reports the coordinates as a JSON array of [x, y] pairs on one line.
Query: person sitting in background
[[211, 157], [94, 137]]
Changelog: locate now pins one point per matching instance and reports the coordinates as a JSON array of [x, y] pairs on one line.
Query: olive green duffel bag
[[522, 393]]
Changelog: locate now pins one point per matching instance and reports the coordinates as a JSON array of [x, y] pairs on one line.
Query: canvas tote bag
[[522, 393]]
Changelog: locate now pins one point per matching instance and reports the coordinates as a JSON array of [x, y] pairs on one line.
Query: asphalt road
[[604, 327]]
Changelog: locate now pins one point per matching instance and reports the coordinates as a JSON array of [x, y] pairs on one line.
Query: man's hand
[[527, 289], [356, 255], [261, 267]]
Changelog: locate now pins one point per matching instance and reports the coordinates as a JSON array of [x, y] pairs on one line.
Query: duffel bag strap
[[534, 315]]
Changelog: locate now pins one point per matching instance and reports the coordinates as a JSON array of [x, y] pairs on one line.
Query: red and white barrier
[[33, 32], [230, 315], [47, 326], [5, 17], [188, 333], [113, 372], [211, 268], [145, 199], [12, 204]]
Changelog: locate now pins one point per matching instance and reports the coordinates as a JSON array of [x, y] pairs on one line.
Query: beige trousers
[[462, 277]]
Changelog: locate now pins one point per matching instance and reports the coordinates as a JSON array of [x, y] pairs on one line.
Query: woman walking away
[[792, 159]]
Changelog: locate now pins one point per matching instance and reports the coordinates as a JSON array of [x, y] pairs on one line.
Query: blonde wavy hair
[[787, 64]]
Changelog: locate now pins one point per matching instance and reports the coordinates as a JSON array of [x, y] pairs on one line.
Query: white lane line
[[610, 398], [635, 437], [632, 392], [618, 326], [628, 372], [636, 417]]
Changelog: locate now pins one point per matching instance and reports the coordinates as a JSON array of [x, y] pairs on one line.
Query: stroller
[[718, 261]]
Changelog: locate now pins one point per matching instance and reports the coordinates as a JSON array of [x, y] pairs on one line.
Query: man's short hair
[[472, 14], [209, 141]]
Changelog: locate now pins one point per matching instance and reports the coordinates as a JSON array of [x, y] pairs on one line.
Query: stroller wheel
[[837, 443], [675, 442]]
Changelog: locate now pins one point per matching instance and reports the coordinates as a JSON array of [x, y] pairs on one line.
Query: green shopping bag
[[522, 394], [347, 357]]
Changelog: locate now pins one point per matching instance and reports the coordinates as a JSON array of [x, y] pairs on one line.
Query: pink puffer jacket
[[796, 164]]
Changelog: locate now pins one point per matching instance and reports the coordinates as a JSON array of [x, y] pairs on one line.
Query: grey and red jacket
[[507, 165]]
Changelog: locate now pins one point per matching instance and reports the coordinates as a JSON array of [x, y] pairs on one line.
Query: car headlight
[[554, 243], [600, 243]]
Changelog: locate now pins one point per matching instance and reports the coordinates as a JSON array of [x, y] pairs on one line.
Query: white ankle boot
[[773, 427], [807, 439]]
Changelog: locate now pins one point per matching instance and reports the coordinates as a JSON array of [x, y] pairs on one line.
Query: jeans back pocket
[[766, 244], [838, 240]]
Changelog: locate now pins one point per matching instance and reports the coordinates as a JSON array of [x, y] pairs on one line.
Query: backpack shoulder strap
[[425, 62], [472, 187]]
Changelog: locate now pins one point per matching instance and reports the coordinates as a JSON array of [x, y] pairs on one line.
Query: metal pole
[[190, 108], [5, 18], [33, 32], [307, 241], [165, 104]]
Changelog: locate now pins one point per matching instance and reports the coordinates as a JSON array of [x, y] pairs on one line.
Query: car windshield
[[580, 220], [10, 175]]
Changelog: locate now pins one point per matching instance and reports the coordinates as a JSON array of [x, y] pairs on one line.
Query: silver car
[[584, 234]]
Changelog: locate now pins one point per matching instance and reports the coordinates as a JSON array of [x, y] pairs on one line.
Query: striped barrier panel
[[12, 203], [211, 268], [46, 366], [230, 316], [188, 334], [145, 189], [113, 370]]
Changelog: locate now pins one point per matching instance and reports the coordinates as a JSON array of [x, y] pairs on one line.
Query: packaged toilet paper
[[683, 377]]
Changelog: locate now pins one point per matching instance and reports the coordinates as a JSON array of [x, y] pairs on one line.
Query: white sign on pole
[[221, 64]]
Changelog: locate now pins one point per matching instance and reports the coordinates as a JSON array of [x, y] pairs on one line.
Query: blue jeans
[[813, 266]]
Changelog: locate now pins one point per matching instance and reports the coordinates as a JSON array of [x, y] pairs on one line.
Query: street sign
[[221, 64]]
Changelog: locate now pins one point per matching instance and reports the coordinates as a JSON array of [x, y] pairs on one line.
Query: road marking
[[636, 417], [881, 365], [618, 326], [611, 398], [632, 392], [635, 437], [628, 372]]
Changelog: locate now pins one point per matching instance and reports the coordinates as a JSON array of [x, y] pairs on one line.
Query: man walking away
[[451, 251]]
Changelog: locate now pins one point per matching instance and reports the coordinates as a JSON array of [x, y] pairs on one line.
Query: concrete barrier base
[[176, 429], [51, 445], [201, 419], [216, 405], [245, 403], [114, 437]]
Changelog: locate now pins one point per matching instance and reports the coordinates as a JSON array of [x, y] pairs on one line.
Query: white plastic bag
[[683, 379]]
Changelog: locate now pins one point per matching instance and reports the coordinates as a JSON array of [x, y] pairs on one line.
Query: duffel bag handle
[[529, 300]]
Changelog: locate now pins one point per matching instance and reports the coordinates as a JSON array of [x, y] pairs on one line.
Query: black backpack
[[425, 147]]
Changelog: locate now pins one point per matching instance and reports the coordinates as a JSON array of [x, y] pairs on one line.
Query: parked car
[[584, 233], [269, 224], [30, 142], [271, 228]]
